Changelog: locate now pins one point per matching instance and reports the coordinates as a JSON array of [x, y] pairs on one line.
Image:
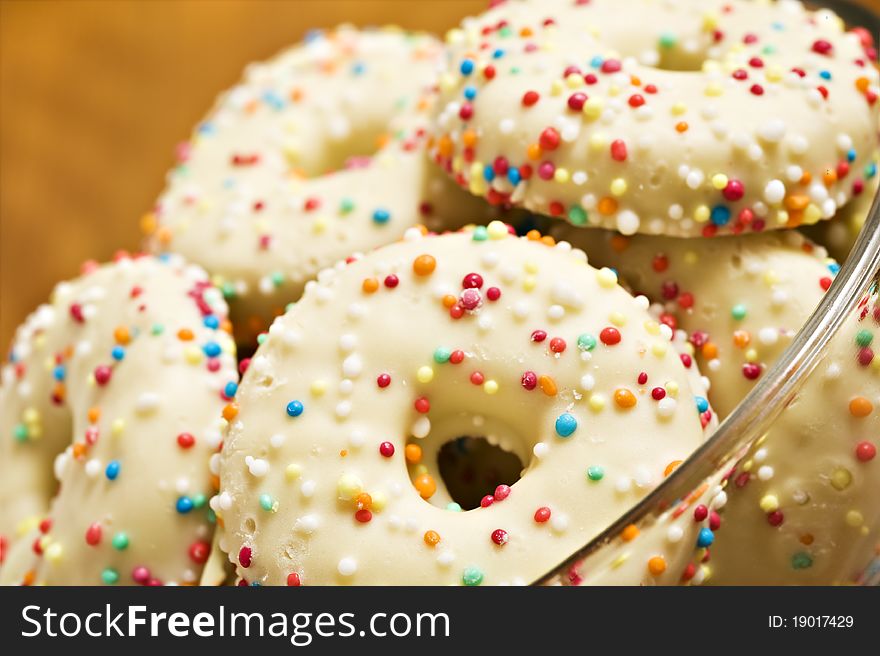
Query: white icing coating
[[554, 105], [89, 387], [316, 154], [518, 388]]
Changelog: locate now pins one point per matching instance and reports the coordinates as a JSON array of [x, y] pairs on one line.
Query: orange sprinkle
[[862, 84], [795, 218], [657, 565], [635, 80], [806, 178], [230, 411], [526, 32], [671, 467], [164, 235], [796, 201], [710, 350], [149, 224], [607, 206], [425, 485], [547, 240], [741, 338], [94, 415], [343, 452], [469, 138], [424, 265], [29, 577], [412, 453], [215, 482], [619, 243], [369, 285], [681, 126], [829, 177], [296, 94], [226, 326], [185, 335], [383, 140], [79, 450], [533, 235], [624, 398], [121, 335], [533, 152], [860, 407], [59, 391], [548, 385], [449, 300], [432, 538], [630, 533], [364, 501], [807, 539], [444, 146]]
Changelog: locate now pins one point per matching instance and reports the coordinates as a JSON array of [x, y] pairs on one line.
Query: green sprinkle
[[228, 290], [157, 329], [472, 576], [120, 542], [212, 516], [864, 338], [267, 503], [441, 354], [738, 311], [346, 206], [668, 40], [454, 507], [261, 338], [505, 31], [109, 576], [768, 50], [277, 279], [595, 473], [480, 233], [20, 432], [199, 500], [801, 560], [586, 342], [577, 215]]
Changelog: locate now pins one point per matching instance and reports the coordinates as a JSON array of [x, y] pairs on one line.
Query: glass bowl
[[709, 467]]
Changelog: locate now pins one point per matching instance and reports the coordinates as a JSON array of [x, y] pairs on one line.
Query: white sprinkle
[[347, 343], [307, 488], [256, 466], [588, 382], [772, 131], [695, 179], [623, 484], [666, 406], [343, 409], [559, 522], [307, 524], [674, 534], [421, 427], [555, 312], [774, 192], [352, 366], [277, 441], [147, 403], [768, 336], [347, 566], [93, 468], [446, 558], [765, 473], [540, 450], [628, 222]]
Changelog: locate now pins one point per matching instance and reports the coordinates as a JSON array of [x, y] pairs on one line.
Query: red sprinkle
[[391, 281], [529, 380], [557, 345], [610, 336], [472, 281], [502, 492], [500, 537], [244, 557], [422, 405], [539, 336], [542, 514], [618, 150], [386, 449], [822, 47], [93, 534], [199, 551], [530, 98], [549, 139], [383, 380], [103, 374], [865, 451], [293, 580], [487, 501], [185, 440]]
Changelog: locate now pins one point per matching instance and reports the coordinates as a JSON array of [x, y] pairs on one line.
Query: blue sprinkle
[[825, 75], [498, 54], [230, 390], [513, 175], [59, 372], [381, 216], [779, 27], [702, 404], [295, 408], [851, 155], [206, 128], [228, 183], [705, 538], [488, 173], [359, 68], [470, 92], [212, 349], [720, 215], [184, 505], [165, 257], [467, 67], [273, 100], [871, 170], [313, 35], [596, 62], [212, 322], [118, 353], [833, 267], [566, 424], [112, 470]]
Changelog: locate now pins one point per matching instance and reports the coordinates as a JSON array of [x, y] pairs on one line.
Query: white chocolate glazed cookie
[[414, 345], [676, 117], [120, 382], [804, 505], [315, 155], [739, 299]]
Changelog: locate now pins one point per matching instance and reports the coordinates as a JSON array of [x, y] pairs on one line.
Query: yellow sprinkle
[[117, 428], [714, 89], [31, 416], [380, 500], [606, 278], [478, 186], [781, 217], [556, 88], [458, 164], [476, 170], [592, 109], [678, 109], [53, 552], [659, 349], [530, 266], [719, 181], [672, 388], [748, 465], [425, 374], [769, 503], [529, 283], [490, 387], [574, 81], [751, 355], [27, 525], [447, 82], [598, 141], [812, 214], [318, 387], [841, 478], [854, 518], [497, 230], [618, 187], [773, 73], [561, 176], [597, 402], [292, 472], [652, 327], [319, 225], [702, 213], [349, 486], [193, 355], [620, 560], [618, 319], [710, 21], [770, 277], [691, 258]]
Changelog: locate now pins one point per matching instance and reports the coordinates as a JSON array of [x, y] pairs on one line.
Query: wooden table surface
[[95, 94]]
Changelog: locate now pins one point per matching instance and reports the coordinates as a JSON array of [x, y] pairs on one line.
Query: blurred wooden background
[[94, 95]]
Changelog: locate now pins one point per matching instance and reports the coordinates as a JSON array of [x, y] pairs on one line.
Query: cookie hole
[[250, 525], [471, 468]]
